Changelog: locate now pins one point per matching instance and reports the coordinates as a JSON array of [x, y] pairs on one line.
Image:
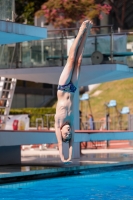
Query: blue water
[[115, 185]]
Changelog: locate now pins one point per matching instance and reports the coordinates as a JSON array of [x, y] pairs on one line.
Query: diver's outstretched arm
[[60, 144], [71, 144], [59, 140]]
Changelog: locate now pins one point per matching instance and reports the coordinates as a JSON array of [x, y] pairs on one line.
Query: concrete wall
[[10, 155]]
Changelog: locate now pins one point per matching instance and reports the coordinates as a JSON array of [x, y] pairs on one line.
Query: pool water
[[114, 185]]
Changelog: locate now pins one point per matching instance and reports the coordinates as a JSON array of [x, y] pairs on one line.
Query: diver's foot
[[84, 26], [90, 24]]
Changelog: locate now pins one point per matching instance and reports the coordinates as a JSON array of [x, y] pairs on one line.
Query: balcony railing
[[102, 46]]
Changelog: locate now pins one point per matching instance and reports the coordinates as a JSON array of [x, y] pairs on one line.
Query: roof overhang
[[11, 32]]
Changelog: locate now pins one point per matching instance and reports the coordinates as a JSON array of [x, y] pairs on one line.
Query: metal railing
[[100, 126], [47, 121], [53, 51]]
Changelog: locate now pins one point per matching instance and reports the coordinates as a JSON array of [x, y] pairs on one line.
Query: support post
[[10, 155], [76, 148]]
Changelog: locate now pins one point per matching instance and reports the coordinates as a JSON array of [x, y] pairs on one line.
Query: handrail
[[95, 35], [67, 29], [53, 50]]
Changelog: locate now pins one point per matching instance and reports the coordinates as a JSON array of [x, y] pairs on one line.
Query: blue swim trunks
[[67, 88]]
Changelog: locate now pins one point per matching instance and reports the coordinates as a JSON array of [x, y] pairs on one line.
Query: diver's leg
[[67, 72], [76, 71]]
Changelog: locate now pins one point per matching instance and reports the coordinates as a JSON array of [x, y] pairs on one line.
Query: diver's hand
[[68, 161]]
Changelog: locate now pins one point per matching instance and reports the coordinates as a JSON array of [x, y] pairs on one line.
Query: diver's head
[[66, 132]]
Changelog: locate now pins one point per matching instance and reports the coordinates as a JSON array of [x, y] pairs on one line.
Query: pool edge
[[62, 171]]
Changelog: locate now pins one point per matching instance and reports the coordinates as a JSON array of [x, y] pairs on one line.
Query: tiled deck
[[46, 163]]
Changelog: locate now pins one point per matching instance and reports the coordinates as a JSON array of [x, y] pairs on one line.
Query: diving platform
[[11, 141], [49, 137], [90, 74], [41, 60], [11, 32]]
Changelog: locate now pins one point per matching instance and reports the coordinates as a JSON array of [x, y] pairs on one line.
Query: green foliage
[[121, 13], [25, 10], [35, 113], [130, 38], [121, 91], [65, 13]]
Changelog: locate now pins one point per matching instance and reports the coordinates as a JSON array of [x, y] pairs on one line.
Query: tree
[[120, 9], [66, 13], [25, 10]]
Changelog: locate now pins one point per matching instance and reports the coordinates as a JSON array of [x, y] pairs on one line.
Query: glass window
[[6, 9]]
